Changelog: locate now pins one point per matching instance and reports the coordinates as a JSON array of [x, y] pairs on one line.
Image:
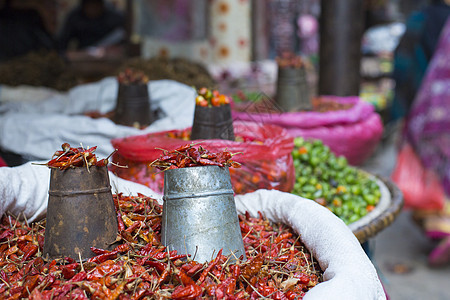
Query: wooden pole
[[341, 30]]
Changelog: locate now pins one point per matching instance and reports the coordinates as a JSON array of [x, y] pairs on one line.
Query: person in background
[[93, 23], [422, 101], [22, 30], [427, 130], [414, 52]]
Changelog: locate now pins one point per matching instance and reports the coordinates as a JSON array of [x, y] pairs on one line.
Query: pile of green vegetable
[[329, 180]]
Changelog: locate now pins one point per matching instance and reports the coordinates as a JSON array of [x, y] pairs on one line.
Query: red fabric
[[421, 187]]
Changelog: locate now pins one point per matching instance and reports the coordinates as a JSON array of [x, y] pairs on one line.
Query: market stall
[[170, 178], [265, 200]]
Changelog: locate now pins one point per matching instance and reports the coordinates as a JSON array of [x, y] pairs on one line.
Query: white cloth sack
[[24, 189], [36, 130], [349, 274], [25, 93]]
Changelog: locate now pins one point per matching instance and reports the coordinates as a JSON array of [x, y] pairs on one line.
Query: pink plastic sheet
[[353, 133]]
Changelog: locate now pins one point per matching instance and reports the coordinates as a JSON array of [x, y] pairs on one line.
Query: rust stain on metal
[[79, 213]]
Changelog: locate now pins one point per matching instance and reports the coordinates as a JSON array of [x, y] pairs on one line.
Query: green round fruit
[[322, 175]]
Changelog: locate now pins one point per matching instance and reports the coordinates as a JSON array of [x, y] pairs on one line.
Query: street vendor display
[[266, 159], [140, 266]]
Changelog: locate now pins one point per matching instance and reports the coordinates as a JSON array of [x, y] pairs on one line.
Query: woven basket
[[387, 210]]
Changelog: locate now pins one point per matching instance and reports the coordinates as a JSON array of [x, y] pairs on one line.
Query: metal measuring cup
[[212, 123], [80, 213], [199, 214]]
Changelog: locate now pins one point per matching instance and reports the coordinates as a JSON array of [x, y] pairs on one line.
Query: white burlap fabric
[[349, 274], [36, 129], [24, 189]]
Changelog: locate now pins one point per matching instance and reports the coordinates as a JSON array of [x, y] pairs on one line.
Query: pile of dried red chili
[[132, 76], [289, 60], [70, 157], [191, 155], [278, 266]]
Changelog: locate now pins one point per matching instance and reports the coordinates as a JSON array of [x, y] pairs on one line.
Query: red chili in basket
[[191, 155], [277, 266], [70, 157]]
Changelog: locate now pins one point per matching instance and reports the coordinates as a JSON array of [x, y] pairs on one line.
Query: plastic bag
[[356, 141], [2, 163], [421, 187], [353, 132], [264, 152], [356, 111]]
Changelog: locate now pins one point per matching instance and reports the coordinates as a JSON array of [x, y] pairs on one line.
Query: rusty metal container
[[212, 123], [292, 90], [133, 106], [80, 213], [199, 214]]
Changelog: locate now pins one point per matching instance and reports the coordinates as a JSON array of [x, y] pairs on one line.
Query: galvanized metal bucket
[[212, 123], [80, 213], [133, 106], [292, 90], [199, 214]]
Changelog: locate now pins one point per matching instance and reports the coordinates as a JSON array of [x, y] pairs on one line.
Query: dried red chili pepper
[[143, 289], [29, 284], [71, 157], [211, 265], [29, 251], [191, 156], [103, 257], [6, 234], [192, 267], [99, 251], [156, 264], [188, 292], [132, 76], [121, 225]]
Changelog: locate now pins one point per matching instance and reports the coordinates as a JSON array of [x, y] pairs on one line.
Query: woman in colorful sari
[[427, 130]]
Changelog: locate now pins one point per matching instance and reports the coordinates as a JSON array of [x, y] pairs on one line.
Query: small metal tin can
[[292, 90], [80, 213], [133, 106], [213, 123], [199, 214]]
